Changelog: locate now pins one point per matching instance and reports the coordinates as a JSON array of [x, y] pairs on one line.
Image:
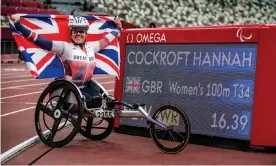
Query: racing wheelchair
[[62, 111]]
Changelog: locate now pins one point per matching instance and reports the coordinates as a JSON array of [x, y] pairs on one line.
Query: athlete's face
[[78, 35]]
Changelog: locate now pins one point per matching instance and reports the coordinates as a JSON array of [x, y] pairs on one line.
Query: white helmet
[[77, 21]]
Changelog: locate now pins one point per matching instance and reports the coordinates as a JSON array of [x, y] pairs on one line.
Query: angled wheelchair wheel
[[96, 128], [58, 114], [176, 137]]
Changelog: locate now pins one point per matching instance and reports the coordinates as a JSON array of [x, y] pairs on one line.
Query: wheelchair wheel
[[96, 128], [176, 137], [58, 114]]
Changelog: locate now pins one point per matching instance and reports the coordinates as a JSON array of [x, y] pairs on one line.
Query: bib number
[[104, 114]]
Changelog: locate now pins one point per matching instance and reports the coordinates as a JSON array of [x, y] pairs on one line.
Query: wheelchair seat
[[92, 92], [94, 103]]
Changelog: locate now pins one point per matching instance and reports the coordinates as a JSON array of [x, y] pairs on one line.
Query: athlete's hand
[[15, 18], [118, 22]]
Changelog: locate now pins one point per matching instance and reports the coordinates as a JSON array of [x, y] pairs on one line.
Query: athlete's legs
[[89, 90]]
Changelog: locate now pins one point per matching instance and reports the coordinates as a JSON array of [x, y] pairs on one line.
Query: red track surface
[[16, 128]]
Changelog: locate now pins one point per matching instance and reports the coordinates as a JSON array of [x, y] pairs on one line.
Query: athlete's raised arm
[[50, 45], [108, 38]]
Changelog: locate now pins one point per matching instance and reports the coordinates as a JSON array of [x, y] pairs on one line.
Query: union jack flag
[[133, 84], [46, 64]]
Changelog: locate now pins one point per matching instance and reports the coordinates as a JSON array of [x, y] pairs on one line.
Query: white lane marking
[[13, 74], [33, 79], [99, 78], [20, 75], [31, 103], [15, 69], [107, 82], [30, 88], [13, 87], [26, 144], [17, 76], [18, 149], [14, 112], [17, 102], [24, 94]]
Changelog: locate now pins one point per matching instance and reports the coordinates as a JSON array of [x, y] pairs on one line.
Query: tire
[[57, 112], [155, 133], [86, 130]]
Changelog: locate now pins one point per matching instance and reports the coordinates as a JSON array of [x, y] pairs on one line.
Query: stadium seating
[[25, 6], [179, 13], [9, 7], [174, 13]]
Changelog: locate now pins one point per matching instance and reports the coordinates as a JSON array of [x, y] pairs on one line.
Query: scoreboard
[[213, 83], [211, 73]]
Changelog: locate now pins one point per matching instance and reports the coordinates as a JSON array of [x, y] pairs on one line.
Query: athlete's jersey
[[79, 66]]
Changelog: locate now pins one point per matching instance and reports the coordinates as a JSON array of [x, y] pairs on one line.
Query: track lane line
[[24, 94], [13, 73], [25, 109], [44, 79], [16, 76], [14, 87], [14, 112], [25, 145], [4, 82], [15, 69], [18, 102]]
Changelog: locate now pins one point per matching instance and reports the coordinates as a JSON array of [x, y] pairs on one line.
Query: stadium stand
[[174, 13], [157, 13], [9, 52], [24, 6], [179, 13]]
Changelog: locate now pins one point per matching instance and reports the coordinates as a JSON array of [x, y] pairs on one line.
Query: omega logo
[[152, 37]]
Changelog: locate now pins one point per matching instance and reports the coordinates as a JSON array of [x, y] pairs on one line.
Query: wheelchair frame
[[133, 110]]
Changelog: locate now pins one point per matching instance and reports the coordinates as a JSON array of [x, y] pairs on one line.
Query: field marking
[[16, 76], [14, 87], [19, 80], [32, 79], [18, 102], [29, 88], [15, 69], [14, 112], [6, 156], [24, 94], [107, 82], [25, 109], [13, 74]]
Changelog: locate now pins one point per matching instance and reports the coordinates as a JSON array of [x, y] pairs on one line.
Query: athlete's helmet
[[78, 21]]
